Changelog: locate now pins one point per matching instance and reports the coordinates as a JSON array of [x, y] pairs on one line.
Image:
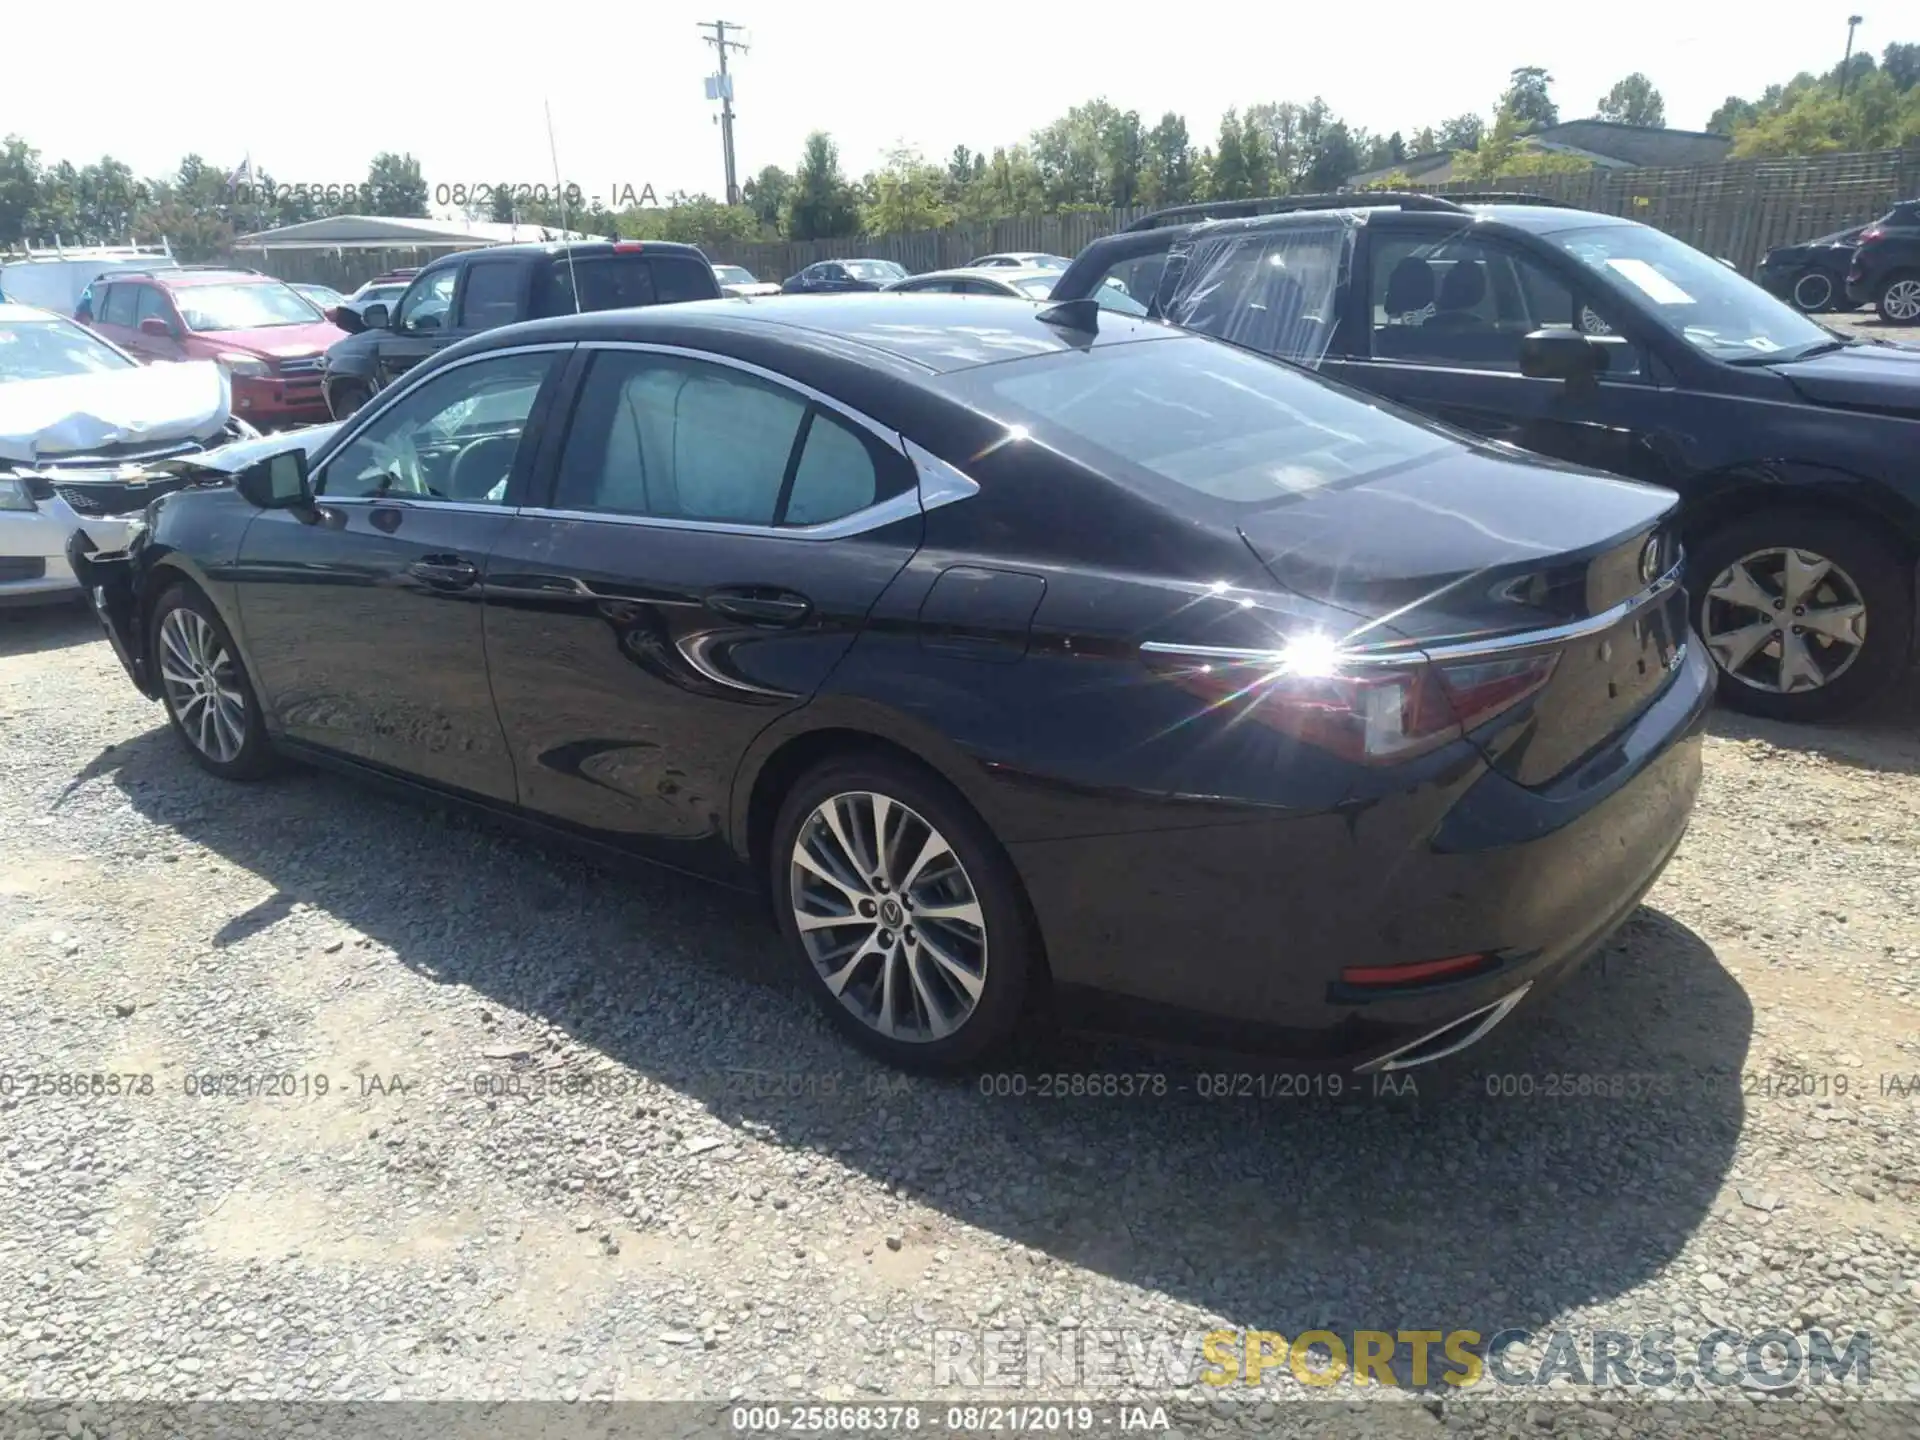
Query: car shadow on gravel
[[1568, 1166], [1885, 736], [53, 625]]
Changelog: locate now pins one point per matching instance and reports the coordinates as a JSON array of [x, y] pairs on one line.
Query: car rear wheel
[[1813, 291], [1806, 616], [209, 698], [904, 913], [1899, 299]]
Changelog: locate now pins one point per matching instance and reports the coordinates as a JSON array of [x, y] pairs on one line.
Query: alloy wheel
[[202, 684], [889, 916], [1813, 291], [1784, 620], [1902, 300]]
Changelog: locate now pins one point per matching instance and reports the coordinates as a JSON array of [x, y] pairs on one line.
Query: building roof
[[1602, 143], [396, 232]]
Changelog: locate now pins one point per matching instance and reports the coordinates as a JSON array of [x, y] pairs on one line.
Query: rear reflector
[[1410, 974]]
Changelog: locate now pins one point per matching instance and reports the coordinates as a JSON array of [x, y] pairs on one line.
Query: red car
[[271, 340]]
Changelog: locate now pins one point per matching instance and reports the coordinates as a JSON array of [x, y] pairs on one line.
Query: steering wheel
[[481, 465]]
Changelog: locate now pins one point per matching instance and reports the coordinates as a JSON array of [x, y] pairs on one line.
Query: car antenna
[[566, 224], [1073, 315]]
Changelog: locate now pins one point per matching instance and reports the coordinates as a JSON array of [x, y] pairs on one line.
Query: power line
[[720, 87]]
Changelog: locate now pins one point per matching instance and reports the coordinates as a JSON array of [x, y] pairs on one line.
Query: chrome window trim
[[938, 483], [413, 502], [397, 392], [1517, 643]]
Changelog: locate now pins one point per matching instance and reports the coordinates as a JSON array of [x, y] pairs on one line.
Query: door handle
[[760, 607], [447, 572]]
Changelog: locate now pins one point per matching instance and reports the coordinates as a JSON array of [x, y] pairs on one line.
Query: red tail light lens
[[1414, 973], [1872, 232], [627, 247], [1370, 709]]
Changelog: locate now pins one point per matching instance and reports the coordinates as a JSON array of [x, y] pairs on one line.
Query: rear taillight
[[628, 247], [1371, 709], [1872, 232]]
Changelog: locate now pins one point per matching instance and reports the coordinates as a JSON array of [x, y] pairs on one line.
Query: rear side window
[[1273, 291], [680, 439], [492, 295], [121, 305], [1185, 416], [604, 282], [677, 278]]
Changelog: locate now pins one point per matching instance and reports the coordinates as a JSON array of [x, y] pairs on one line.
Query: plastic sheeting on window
[[1274, 290]]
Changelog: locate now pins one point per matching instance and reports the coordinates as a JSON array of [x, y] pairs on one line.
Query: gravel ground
[[583, 1139]]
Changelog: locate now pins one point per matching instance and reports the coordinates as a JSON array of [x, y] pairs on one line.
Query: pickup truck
[[462, 294]]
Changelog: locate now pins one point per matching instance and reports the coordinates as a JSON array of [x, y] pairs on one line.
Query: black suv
[[1611, 345], [474, 290], [1886, 265], [1812, 275]]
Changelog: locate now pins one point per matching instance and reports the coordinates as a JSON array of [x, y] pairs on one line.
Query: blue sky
[[313, 94]]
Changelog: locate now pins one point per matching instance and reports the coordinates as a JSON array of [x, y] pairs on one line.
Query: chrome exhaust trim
[[1450, 1039]]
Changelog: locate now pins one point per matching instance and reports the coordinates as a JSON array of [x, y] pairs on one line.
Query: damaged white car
[[86, 434]]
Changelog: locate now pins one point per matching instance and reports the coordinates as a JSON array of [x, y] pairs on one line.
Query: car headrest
[[1409, 287], [1464, 287]]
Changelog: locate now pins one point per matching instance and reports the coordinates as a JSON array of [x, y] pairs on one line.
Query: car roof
[[559, 249], [13, 310], [1002, 274], [932, 334], [173, 279]]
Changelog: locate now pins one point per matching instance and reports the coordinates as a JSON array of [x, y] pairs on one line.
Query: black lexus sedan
[[1017, 653], [1812, 274]]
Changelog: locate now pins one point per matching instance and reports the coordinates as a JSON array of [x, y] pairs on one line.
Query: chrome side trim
[[940, 483], [903, 506], [407, 502], [1516, 643], [1487, 1016]]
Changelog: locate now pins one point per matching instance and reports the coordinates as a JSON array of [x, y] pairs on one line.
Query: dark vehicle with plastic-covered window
[[1611, 345], [478, 290]]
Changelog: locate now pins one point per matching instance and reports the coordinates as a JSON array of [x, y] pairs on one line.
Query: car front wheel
[[904, 913], [208, 695], [1813, 291], [1807, 616]]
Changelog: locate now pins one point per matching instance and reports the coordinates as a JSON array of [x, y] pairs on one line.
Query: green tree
[[1168, 177], [19, 189], [1505, 151], [1732, 114], [1261, 163], [1426, 140], [1462, 132], [1124, 147], [1071, 154], [1230, 180], [1633, 101], [397, 187], [1527, 98], [1008, 184], [1900, 63], [1335, 156], [766, 195], [822, 204], [907, 195]]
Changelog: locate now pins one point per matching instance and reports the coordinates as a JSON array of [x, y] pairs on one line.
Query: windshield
[[47, 349], [320, 294], [1048, 262], [1036, 287], [1205, 417], [734, 275], [380, 294], [250, 306], [874, 270], [1691, 294]]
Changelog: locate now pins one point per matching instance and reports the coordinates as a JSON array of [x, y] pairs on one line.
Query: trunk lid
[[1475, 555]]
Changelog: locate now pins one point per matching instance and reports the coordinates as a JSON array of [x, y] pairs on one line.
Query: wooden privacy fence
[[1737, 211]]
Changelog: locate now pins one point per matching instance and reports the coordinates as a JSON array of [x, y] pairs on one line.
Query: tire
[[926, 992], [1898, 299], [224, 730], [1863, 571], [1813, 291]]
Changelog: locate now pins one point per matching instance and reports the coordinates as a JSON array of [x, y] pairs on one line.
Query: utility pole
[[720, 87], [1845, 65]]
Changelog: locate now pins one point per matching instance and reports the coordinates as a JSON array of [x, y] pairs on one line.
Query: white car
[[86, 432], [738, 280]]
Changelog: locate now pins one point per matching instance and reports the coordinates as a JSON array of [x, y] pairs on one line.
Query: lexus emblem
[[1650, 561]]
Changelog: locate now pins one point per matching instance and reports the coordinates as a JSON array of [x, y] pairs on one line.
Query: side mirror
[[374, 317], [1561, 355], [343, 318], [156, 325], [278, 482]]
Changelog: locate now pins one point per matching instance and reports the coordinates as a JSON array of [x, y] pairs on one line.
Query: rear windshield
[[1204, 417], [615, 282]]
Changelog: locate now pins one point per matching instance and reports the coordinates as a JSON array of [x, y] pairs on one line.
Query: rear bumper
[[1233, 938]]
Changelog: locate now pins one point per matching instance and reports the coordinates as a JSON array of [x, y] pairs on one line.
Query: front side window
[[153, 305], [874, 270], [45, 349], [1692, 295], [492, 296], [120, 305], [454, 437], [680, 439], [427, 301], [250, 305], [1184, 416], [1468, 302], [607, 282], [1273, 291]]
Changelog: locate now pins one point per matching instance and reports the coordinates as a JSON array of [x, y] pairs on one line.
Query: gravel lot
[[696, 1191]]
